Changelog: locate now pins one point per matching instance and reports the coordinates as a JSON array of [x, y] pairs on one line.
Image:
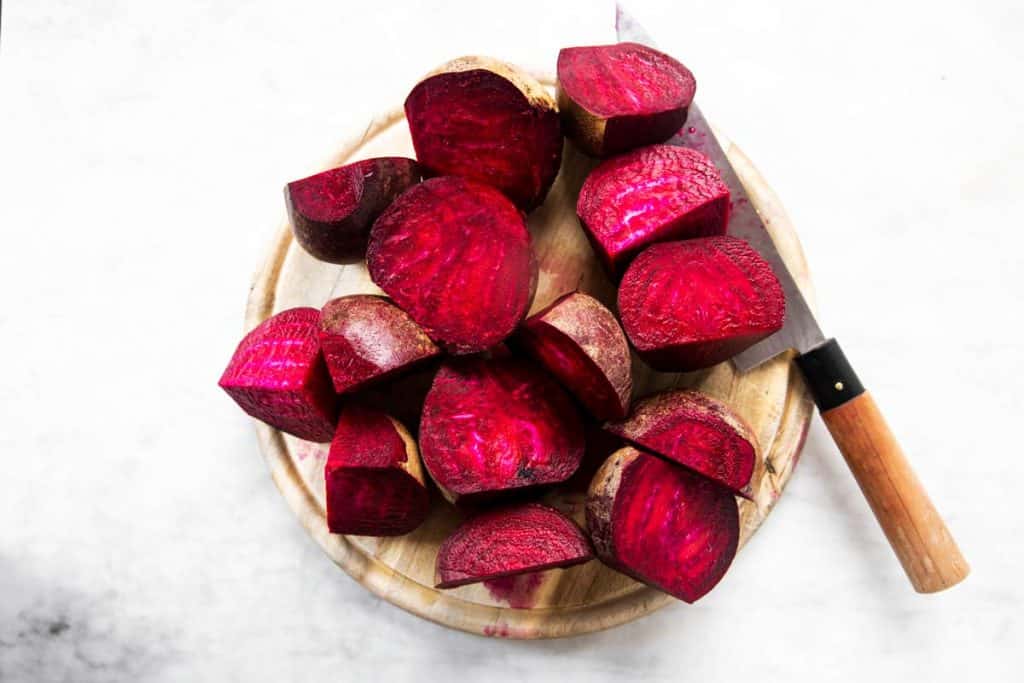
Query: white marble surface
[[143, 146]]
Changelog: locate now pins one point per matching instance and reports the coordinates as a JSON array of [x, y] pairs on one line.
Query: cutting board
[[559, 602]]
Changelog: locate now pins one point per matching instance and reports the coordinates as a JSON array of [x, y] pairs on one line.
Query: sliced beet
[[482, 119], [689, 305], [278, 375], [662, 524], [507, 542], [695, 430], [332, 212], [373, 476], [617, 97], [495, 425], [579, 341], [653, 194], [456, 256], [367, 338]]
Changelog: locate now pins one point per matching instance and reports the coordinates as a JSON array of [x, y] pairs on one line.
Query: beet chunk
[[579, 341], [661, 524], [482, 119], [617, 97], [332, 212], [278, 375], [654, 194], [497, 424], [689, 305], [373, 475], [694, 430], [507, 542], [456, 256], [367, 338]]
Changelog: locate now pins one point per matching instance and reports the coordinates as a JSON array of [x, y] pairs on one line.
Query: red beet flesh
[[579, 341], [497, 424], [456, 256], [617, 97], [661, 524], [510, 541], [692, 304], [278, 375], [485, 120], [332, 212], [367, 338], [653, 194], [373, 477], [694, 430]]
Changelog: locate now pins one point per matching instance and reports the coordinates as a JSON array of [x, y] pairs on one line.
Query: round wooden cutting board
[[559, 602]]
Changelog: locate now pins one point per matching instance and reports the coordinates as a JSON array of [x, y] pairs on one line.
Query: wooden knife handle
[[914, 528]]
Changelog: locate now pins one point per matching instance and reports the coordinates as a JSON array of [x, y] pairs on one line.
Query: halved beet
[[373, 475], [278, 375], [662, 524], [507, 542], [695, 430], [367, 338], [486, 120], [497, 424], [579, 341], [617, 97], [332, 212], [653, 194], [692, 304], [456, 256]]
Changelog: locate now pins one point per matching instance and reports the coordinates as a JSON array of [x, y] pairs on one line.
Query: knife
[[915, 530]]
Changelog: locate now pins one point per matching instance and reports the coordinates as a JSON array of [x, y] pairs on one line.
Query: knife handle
[[914, 528]]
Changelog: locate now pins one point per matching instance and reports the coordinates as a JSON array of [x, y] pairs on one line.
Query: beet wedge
[[488, 121], [509, 541], [661, 524], [456, 256], [277, 375], [331, 212], [654, 194], [694, 430], [497, 425], [616, 97], [689, 305], [373, 475], [579, 341]]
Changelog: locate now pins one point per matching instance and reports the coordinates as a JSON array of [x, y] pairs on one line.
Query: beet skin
[[456, 256], [654, 194], [507, 542], [485, 120], [689, 305], [331, 212], [497, 424], [661, 524], [278, 375], [616, 97]]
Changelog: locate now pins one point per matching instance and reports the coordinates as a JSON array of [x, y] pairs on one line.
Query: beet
[[510, 541], [373, 476], [482, 119], [495, 425], [689, 305], [694, 430], [579, 341], [367, 338], [617, 97], [455, 254], [654, 194], [332, 212], [662, 524], [278, 375]]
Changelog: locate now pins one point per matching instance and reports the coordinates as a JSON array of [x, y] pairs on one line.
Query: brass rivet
[[839, 386]]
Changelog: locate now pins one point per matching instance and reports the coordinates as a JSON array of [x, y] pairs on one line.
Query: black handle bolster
[[831, 379]]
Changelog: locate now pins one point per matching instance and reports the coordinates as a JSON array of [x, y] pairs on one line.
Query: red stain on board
[[518, 591], [315, 450]]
